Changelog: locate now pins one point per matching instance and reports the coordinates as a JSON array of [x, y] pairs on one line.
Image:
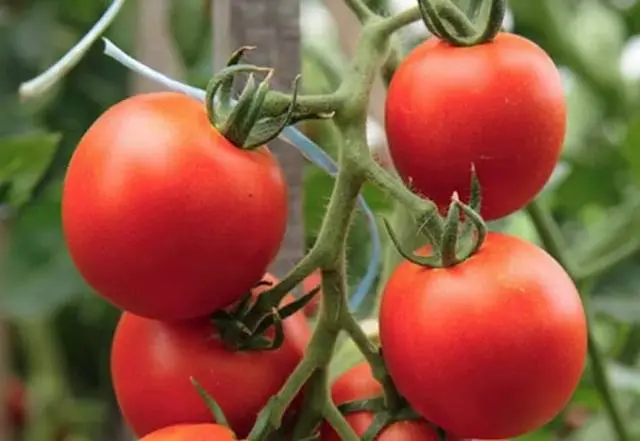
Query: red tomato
[[166, 218], [498, 105], [491, 348], [191, 432], [151, 362], [358, 384], [16, 397]]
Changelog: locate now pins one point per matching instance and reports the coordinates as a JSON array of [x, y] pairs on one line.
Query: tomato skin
[[191, 432], [499, 105], [152, 361], [358, 383], [16, 403], [491, 348], [163, 216]]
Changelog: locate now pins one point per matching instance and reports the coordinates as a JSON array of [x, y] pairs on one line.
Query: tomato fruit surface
[[152, 362], [16, 403], [491, 348], [166, 218], [357, 384], [498, 105], [191, 432]]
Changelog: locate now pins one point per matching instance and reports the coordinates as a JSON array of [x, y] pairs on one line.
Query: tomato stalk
[[328, 253], [361, 10], [448, 22], [554, 243]]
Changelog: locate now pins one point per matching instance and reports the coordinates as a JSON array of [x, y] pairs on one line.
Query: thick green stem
[[339, 423], [390, 24], [552, 239], [329, 251], [277, 103], [603, 386], [361, 10], [424, 209]]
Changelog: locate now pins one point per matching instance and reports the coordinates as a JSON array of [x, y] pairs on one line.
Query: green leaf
[[23, 161]]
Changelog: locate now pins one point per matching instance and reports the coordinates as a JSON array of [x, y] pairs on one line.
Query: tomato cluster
[[171, 222]]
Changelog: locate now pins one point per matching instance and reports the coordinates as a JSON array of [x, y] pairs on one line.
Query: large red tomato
[[151, 362], [358, 384], [191, 432], [498, 105], [491, 348], [166, 218]]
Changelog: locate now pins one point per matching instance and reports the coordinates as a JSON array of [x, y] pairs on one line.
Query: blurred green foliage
[[61, 332]]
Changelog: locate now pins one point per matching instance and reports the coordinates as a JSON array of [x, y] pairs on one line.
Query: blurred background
[[55, 333]]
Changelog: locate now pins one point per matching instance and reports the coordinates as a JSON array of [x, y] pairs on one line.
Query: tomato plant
[[491, 348], [159, 393], [191, 432], [165, 217], [499, 106], [173, 208]]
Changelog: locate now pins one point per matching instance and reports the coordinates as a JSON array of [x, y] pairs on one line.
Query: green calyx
[[244, 326], [463, 232], [448, 22], [247, 121]]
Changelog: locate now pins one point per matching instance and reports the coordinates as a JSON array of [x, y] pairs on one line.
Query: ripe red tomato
[[191, 432], [166, 218], [151, 362], [491, 348], [358, 384], [498, 105]]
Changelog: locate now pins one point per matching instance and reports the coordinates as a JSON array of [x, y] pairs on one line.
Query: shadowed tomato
[[152, 362], [358, 384], [493, 347], [191, 432], [163, 216], [498, 105]]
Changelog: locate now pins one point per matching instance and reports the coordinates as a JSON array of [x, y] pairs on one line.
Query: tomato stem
[[448, 22], [554, 243], [361, 10]]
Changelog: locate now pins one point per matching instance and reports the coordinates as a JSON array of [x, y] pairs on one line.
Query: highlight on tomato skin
[[493, 347], [498, 106], [163, 216], [158, 392], [191, 432]]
